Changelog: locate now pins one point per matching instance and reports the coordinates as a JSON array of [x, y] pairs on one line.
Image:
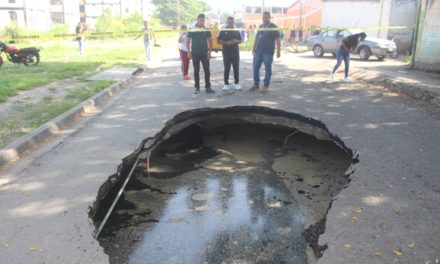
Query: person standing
[[230, 39], [148, 37], [348, 44], [199, 45], [184, 53], [263, 51], [79, 30]]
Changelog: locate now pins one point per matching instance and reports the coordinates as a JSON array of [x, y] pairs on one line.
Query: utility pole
[[300, 14], [178, 14]]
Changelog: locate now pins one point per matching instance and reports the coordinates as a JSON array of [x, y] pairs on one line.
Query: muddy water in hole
[[240, 198]]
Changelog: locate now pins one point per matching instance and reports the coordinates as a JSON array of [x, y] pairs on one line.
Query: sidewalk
[[414, 83]]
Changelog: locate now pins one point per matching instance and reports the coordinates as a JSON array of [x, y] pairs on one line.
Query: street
[[388, 213]]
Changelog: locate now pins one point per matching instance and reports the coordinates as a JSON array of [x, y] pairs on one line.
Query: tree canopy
[[167, 10]]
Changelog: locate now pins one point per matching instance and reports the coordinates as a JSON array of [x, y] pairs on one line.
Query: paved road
[[44, 200]]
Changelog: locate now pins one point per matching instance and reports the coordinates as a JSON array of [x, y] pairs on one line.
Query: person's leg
[[347, 63], [182, 62], [196, 64], [205, 64], [267, 59], [339, 55], [235, 66], [227, 60], [79, 46], [147, 49], [185, 63], [258, 60]]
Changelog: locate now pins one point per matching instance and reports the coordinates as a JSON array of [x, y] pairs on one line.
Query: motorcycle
[[27, 56]]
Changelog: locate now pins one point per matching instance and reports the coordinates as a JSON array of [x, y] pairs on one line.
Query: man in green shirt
[[199, 44]]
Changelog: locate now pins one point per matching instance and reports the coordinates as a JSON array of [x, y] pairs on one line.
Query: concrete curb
[[413, 90], [24, 145]]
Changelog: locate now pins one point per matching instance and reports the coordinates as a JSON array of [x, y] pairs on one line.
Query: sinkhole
[[241, 184]]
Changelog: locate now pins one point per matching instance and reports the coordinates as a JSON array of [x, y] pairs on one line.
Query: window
[[331, 33], [13, 16], [11, 2], [277, 10], [56, 2], [248, 9], [57, 17], [258, 10], [343, 34]]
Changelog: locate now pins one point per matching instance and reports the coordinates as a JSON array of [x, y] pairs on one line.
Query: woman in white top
[[184, 53]]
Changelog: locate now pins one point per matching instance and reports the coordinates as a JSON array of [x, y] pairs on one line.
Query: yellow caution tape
[[138, 33]]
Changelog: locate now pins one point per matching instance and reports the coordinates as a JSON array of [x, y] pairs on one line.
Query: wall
[[352, 14], [38, 15], [428, 42], [71, 13], [403, 13]]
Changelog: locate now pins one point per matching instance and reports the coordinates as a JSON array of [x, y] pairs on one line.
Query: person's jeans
[[185, 62], [267, 59], [342, 54], [231, 58], [80, 42], [147, 46], [197, 58]]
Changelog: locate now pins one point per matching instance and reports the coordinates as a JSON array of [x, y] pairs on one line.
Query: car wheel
[[381, 58], [318, 51], [364, 53]]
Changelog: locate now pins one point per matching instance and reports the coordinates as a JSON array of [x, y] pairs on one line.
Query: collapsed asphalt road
[[388, 213]]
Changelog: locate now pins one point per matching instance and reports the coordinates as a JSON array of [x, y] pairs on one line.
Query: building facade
[[38, 15], [427, 54]]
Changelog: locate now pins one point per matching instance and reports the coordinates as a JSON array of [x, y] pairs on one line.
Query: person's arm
[[255, 43], [188, 45], [209, 47], [344, 46], [278, 40], [220, 39]]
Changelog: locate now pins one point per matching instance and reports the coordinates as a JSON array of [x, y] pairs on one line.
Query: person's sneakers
[[265, 89], [186, 78], [254, 88], [226, 87], [237, 87], [331, 77], [347, 80], [209, 90]]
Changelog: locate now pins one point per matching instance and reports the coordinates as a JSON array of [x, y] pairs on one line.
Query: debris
[[397, 211], [359, 210], [412, 245], [347, 245], [36, 249], [5, 244], [354, 218], [397, 253], [377, 253]]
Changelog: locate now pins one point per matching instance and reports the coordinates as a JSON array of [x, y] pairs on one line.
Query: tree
[[134, 22], [109, 23], [189, 9]]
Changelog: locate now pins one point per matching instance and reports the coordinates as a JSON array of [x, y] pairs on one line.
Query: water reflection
[[220, 219]]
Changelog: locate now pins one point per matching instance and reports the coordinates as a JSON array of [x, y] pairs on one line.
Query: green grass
[[58, 61], [31, 116], [83, 94]]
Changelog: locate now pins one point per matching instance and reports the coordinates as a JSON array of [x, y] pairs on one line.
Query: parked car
[[330, 40]]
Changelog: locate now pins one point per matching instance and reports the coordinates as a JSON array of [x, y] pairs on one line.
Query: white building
[[123, 8], [38, 14], [373, 13]]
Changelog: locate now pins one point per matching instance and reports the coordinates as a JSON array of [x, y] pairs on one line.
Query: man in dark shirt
[[264, 49], [231, 52], [199, 45], [348, 44]]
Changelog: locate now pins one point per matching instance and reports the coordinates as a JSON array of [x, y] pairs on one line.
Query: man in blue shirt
[[263, 51]]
